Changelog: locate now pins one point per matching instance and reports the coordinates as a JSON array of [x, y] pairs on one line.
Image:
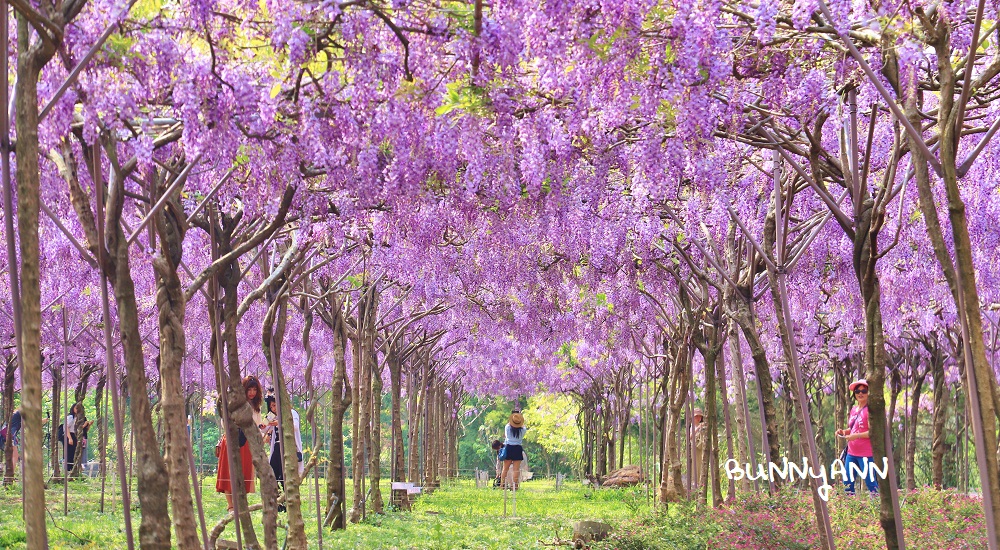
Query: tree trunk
[[843, 374], [278, 317], [979, 372], [336, 489], [601, 440], [745, 318], [170, 226], [100, 400], [362, 406], [876, 359], [721, 373], [443, 415], [672, 485], [961, 274], [78, 397], [747, 448], [939, 418], [241, 415], [610, 434], [588, 447], [911, 428], [153, 482], [80, 450], [430, 447], [776, 282], [453, 418], [375, 457], [9, 372], [30, 60], [442, 436], [710, 456], [396, 389], [415, 400]]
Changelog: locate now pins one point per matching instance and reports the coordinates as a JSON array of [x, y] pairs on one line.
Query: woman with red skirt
[[223, 481]]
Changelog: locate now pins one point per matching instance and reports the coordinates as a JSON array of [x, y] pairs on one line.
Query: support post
[[65, 472], [109, 355]]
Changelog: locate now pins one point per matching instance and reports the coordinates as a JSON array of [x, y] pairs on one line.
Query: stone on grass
[[624, 477], [586, 532]]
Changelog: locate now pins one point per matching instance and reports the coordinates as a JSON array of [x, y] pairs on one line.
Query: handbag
[[850, 426], [502, 455]]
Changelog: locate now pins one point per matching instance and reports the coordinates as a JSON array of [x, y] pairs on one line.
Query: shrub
[[931, 519]]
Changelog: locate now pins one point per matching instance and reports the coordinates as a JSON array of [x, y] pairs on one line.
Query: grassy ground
[[461, 516], [457, 516]]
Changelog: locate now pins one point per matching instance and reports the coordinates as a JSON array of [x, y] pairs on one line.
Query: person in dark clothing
[[497, 445], [75, 433], [14, 433], [70, 436], [273, 437]]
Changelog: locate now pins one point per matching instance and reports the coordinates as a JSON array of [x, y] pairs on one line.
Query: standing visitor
[[497, 447], [223, 481], [14, 433], [70, 434], [859, 444], [273, 437], [513, 447], [700, 442]]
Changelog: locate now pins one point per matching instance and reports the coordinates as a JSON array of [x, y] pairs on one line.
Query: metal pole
[[513, 493], [109, 355], [201, 419], [319, 514], [315, 445], [65, 473], [131, 457], [196, 481], [992, 536], [736, 356], [689, 429], [807, 428], [104, 449], [785, 318]]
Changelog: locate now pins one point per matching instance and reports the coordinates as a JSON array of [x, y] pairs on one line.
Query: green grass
[[462, 516], [456, 516]]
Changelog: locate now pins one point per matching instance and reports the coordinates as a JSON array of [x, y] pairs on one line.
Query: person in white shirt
[[274, 437], [74, 433], [513, 451]]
